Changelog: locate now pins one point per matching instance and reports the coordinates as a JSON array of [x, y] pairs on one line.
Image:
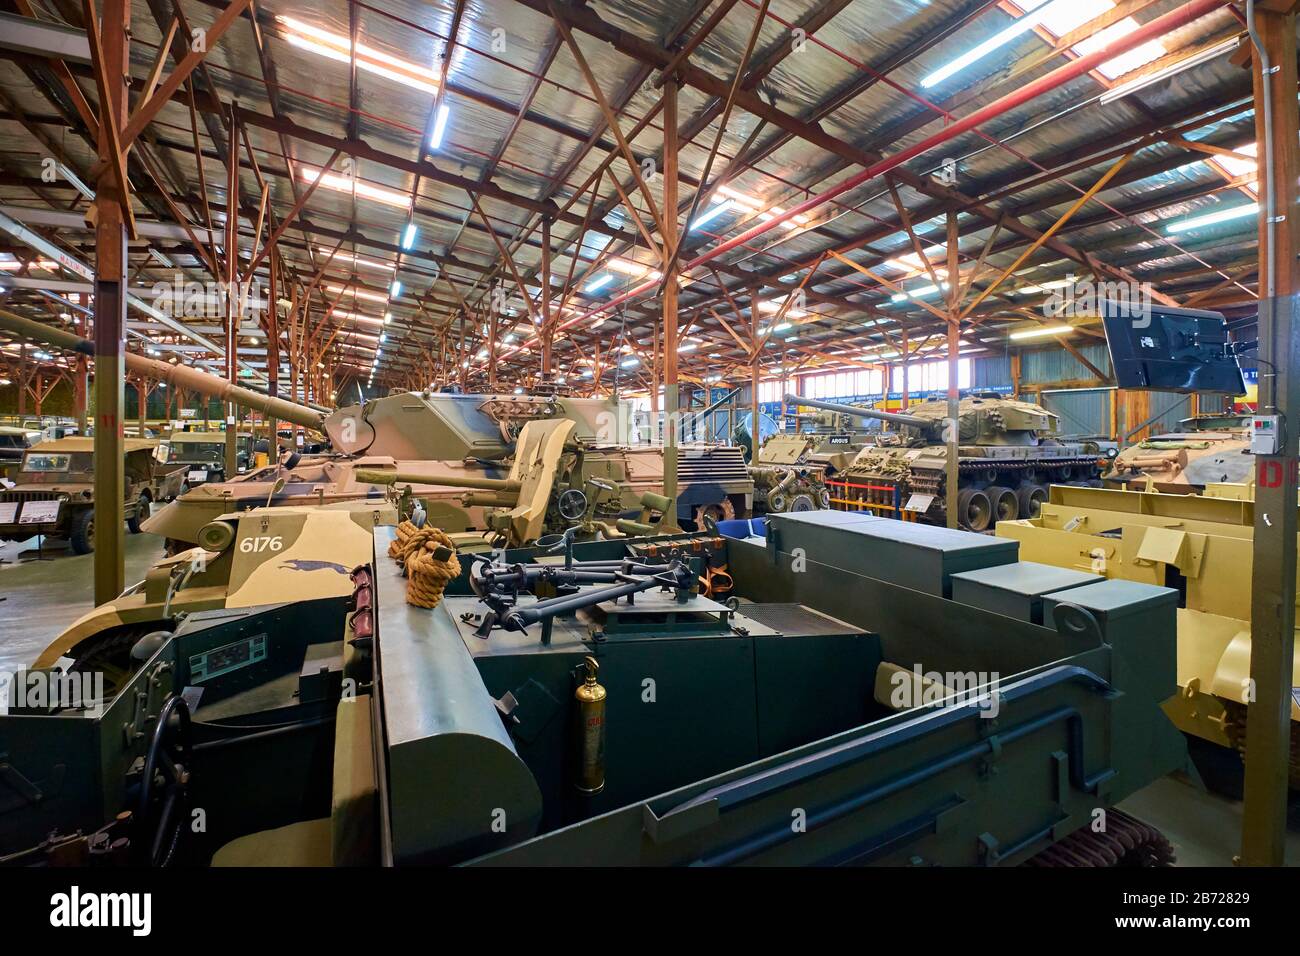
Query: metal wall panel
[[1058, 365], [1084, 411]]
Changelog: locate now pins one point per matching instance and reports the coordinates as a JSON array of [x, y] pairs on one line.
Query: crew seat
[[347, 837]]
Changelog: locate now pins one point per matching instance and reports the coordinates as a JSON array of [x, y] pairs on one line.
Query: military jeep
[[204, 455], [54, 490]]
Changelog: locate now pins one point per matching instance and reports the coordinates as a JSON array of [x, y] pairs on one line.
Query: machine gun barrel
[[518, 619], [432, 478], [718, 404], [894, 418], [181, 376]]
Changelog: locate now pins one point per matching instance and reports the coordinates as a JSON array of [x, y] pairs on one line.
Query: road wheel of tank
[[803, 502], [1030, 498], [81, 534], [1006, 506], [141, 513], [1064, 475], [974, 509], [724, 510]]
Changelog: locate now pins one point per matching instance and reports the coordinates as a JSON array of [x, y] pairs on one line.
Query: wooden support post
[[1273, 580], [110, 315], [545, 332], [231, 298], [954, 395], [672, 397], [753, 375], [80, 373]]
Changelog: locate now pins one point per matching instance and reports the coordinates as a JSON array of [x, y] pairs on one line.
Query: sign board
[[840, 440], [39, 512], [8, 512], [919, 503], [189, 413], [197, 474]]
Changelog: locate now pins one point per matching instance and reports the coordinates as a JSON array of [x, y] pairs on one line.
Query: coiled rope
[[429, 558]]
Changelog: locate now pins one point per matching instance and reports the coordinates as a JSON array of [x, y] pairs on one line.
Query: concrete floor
[[38, 599]]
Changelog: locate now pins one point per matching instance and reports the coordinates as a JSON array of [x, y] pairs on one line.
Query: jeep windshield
[[198, 452], [46, 463]]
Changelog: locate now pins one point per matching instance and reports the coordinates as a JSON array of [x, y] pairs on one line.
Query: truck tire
[[141, 512], [81, 532]]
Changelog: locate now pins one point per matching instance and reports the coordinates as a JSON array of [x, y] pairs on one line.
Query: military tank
[[1205, 450], [1007, 457]]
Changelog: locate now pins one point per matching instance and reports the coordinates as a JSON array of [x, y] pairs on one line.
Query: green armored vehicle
[[1007, 456], [910, 696], [54, 493]]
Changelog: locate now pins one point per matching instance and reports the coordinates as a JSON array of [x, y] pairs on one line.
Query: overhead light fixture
[[1213, 219], [628, 267], [712, 214], [358, 293], [439, 126], [354, 186], [916, 293], [597, 284], [1022, 25], [1172, 70], [1043, 332], [360, 262], [630, 362], [409, 234], [337, 46], [395, 289]]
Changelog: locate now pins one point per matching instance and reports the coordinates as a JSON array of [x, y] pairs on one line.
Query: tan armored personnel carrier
[[254, 557], [1207, 449], [1007, 458], [54, 490]]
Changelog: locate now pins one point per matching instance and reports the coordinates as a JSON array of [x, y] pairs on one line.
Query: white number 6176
[[261, 543]]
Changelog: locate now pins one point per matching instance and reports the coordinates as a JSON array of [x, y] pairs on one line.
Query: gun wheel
[[1126, 842], [724, 510]]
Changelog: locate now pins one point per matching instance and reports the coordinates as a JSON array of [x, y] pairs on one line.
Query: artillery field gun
[[1207, 449], [883, 692], [1007, 456]]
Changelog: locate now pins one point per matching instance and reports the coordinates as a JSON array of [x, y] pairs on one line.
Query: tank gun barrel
[[374, 477], [178, 375], [894, 418]]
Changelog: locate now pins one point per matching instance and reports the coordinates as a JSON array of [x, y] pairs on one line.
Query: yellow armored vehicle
[[1205, 450], [1007, 456], [54, 491], [1202, 545]]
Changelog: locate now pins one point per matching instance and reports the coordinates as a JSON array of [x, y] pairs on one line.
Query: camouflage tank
[[1205, 450], [1007, 456]]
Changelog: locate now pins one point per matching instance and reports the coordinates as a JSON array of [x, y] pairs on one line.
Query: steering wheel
[[164, 785]]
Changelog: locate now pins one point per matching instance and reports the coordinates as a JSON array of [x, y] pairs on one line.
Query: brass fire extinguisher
[[590, 698]]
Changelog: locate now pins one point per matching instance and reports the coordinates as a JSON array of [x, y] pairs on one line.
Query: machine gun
[[499, 586]]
